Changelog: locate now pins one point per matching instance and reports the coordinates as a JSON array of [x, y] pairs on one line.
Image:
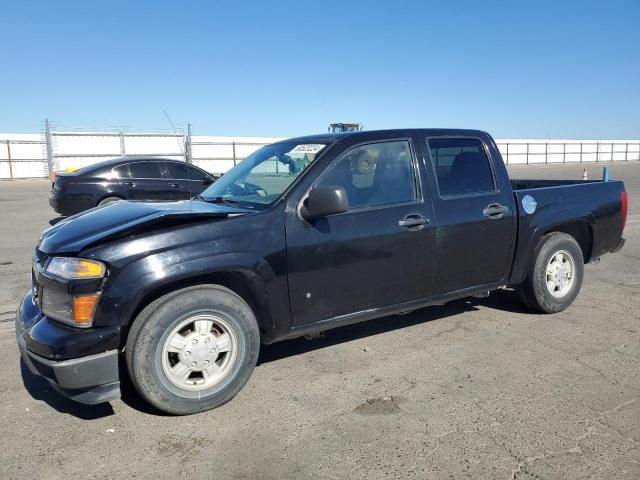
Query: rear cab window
[[461, 165]]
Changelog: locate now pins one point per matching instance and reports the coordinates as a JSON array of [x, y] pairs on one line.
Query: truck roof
[[400, 132]]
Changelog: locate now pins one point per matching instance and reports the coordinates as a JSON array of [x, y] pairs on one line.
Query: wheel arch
[[532, 228], [581, 230], [247, 277], [108, 195]]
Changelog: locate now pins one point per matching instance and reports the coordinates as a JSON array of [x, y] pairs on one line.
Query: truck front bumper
[[90, 379]]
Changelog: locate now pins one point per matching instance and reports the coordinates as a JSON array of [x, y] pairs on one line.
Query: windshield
[[264, 175]]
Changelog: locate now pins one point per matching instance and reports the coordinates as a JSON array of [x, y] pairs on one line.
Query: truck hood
[[121, 218]]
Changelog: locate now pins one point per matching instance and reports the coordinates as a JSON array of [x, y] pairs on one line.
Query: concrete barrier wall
[[26, 155]]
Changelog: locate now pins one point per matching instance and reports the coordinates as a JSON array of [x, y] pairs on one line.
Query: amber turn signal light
[[83, 308], [89, 269]]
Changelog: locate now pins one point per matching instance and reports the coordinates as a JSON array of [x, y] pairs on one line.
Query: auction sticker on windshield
[[308, 148]]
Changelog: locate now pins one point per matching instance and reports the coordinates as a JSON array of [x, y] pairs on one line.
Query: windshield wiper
[[231, 201], [222, 200]]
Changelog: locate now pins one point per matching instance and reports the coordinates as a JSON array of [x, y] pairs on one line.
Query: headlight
[[75, 268], [76, 310]]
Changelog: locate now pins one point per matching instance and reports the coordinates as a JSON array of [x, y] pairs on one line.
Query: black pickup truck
[[304, 235]]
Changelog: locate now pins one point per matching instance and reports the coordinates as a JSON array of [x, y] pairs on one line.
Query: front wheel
[[193, 349], [555, 275]]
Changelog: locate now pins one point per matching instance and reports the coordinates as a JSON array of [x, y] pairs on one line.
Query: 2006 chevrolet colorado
[[304, 235]]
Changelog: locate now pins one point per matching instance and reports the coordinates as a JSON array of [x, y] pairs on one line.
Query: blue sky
[[517, 69]]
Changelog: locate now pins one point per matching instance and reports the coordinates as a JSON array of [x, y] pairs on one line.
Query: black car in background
[[126, 178]]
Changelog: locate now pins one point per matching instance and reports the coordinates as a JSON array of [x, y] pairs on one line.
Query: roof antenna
[[175, 131]]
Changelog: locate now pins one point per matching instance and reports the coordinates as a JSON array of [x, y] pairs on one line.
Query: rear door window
[[462, 166], [184, 171], [196, 173], [121, 171], [145, 170], [177, 170]]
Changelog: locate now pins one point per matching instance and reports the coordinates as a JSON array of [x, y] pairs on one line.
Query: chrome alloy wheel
[[199, 352], [560, 273]]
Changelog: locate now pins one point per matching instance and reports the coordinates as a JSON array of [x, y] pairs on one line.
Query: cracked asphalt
[[479, 388]]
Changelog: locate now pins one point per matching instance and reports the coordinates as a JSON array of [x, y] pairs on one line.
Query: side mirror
[[324, 201], [208, 180]]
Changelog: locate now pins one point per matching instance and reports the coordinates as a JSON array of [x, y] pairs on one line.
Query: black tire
[[108, 200], [534, 292], [150, 330]]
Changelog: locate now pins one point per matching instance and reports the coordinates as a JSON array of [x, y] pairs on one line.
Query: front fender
[[145, 279]]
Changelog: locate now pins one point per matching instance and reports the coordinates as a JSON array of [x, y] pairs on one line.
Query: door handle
[[494, 211], [413, 222], [128, 184], [176, 185]]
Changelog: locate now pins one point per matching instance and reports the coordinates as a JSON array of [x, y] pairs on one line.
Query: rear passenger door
[[147, 182], [177, 174], [474, 213]]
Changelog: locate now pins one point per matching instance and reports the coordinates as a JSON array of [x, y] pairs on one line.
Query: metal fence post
[[233, 146], [580, 152], [187, 145], [626, 152], [507, 153], [9, 158], [612, 151], [123, 152], [546, 152], [49, 145], [527, 153], [564, 152]]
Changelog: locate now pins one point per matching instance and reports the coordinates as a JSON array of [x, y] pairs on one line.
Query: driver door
[[367, 257]]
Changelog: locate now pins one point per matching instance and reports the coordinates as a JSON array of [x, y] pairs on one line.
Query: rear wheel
[[108, 200], [555, 275], [193, 349]]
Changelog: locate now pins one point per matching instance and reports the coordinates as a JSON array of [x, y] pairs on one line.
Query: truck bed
[[589, 210]]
